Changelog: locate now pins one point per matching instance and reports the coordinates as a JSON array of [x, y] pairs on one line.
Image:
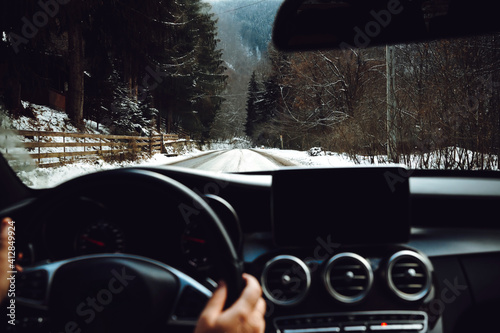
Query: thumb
[[215, 305]]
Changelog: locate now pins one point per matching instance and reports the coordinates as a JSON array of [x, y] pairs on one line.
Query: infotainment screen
[[365, 205]]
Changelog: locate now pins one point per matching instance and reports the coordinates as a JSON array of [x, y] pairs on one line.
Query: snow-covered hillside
[[47, 119]]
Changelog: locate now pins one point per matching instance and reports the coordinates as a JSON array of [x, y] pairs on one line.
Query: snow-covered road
[[235, 160]]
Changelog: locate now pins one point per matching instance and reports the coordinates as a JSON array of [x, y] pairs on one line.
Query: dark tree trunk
[[170, 119], [13, 96], [158, 122], [74, 101]]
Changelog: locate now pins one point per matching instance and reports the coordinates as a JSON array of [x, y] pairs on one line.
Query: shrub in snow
[[315, 151]]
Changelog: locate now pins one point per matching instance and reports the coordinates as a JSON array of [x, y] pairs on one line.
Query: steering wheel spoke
[[103, 279], [33, 287]]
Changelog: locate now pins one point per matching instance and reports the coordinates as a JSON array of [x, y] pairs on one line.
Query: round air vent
[[285, 280], [409, 275], [348, 277]]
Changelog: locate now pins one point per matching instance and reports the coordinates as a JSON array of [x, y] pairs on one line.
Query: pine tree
[[192, 67], [209, 72], [269, 100], [252, 108]]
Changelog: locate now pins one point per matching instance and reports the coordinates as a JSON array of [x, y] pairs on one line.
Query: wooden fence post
[[39, 159], [64, 149]]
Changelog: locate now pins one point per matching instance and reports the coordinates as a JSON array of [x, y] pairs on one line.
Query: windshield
[[198, 84]]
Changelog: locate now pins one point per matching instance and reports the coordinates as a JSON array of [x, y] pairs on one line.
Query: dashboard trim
[[428, 275], [270, 295], [414, 318], [339, 297]]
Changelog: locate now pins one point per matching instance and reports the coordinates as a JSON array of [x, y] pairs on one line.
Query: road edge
[[276, 159]]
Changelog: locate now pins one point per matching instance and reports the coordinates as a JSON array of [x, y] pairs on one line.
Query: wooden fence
[[69, 146]]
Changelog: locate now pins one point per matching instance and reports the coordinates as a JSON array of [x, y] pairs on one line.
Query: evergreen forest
[[136, 66]]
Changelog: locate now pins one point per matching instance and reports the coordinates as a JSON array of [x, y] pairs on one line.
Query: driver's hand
[[4, 256], [246, 315]]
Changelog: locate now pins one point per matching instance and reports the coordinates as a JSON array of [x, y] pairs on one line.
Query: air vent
[[285, 280], [348, 277], [409, 275]]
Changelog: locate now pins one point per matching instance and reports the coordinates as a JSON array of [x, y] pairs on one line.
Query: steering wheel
[[120, 292]]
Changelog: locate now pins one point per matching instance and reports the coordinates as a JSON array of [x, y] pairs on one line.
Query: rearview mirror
[[330, 24]]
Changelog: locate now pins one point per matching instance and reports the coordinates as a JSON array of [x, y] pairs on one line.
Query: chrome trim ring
[[327, 274], [428, 269], [269, 293]]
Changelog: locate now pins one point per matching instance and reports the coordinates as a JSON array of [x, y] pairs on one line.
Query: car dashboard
[[335, 250]]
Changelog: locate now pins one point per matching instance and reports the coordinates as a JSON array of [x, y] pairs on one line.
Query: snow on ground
[[50, 120], [303, 158], [47, 119], [446, 158], [49, 177], [232, 160], [238, 159]]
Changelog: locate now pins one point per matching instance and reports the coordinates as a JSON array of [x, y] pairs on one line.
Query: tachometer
[[100, 237]]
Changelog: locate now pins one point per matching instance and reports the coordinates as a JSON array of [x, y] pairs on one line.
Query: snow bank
[[328, 159], [50, 177], [446, 158]]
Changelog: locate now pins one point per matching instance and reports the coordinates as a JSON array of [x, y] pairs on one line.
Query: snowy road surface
[[235, 160]]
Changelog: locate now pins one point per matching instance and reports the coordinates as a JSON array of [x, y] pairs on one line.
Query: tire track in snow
[[235, 160]]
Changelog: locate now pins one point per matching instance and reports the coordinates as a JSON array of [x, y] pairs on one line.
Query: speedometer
[[194, 246], [100, 237]]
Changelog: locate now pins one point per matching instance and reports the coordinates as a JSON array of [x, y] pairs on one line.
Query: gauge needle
[[193, 239], [96, 242]]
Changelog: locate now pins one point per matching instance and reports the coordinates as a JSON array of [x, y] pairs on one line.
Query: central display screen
[[344, 206]]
